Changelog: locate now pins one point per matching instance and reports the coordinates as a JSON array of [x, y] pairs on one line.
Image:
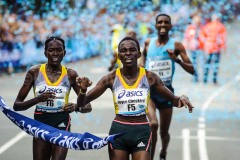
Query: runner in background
[[115, 62], [160, 55], [118, 32]]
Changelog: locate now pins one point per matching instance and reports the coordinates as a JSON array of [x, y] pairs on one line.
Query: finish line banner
[[50, 134]]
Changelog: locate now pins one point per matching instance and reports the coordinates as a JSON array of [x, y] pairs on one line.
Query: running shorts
[[161, 102], [60, 120], [137, 138]]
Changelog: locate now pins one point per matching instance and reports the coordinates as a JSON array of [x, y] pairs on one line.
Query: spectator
[[193, 43], [214, 36]]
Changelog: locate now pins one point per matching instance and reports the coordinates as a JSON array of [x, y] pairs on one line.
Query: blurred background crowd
[[89, 27]]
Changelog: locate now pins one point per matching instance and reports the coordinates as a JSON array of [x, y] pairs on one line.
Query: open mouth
[[55, 59], [163, 30], [128, 60]]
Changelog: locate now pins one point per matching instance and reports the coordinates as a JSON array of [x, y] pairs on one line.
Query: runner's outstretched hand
[[184, 101]]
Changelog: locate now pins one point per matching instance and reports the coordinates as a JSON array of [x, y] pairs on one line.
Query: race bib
[[162, 68], [131, 101], [52, 104]]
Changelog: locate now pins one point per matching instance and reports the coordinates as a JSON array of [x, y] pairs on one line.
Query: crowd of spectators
[[86, 25]]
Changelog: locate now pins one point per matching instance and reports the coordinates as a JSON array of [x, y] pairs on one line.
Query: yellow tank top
[[131, 100], [61, 88]]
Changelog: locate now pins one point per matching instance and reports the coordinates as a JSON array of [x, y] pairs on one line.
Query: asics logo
[[129, 93], [55, 90]]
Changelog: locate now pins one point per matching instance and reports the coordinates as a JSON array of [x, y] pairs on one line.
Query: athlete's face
[[128, 53], [163, 25], [55, 52]]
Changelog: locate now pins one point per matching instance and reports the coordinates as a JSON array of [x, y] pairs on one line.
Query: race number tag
[[131, 101], [162, 68], [56, 103]]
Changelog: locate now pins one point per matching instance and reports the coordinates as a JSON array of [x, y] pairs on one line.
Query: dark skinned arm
[[113, 62], [20, 104], [144, 53], [72, 75], [157, 83], [104, 83], [185, 63]]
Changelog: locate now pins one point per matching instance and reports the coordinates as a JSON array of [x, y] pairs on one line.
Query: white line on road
[[202, 144], [185, 136], [201, 121], [210, 138], [186, 144], [185, 133], [213, 138], [10, 143], [218, 92]]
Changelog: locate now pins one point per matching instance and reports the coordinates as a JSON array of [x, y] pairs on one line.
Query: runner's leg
[[141, 155], [153, 124], [41, 150], [117, 154], [59, 153], [165, 121]]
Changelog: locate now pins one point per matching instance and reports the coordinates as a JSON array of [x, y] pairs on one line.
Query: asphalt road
[[211, 132]]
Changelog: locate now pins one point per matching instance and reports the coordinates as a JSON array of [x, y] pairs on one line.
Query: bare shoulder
[[179, 48], [32, 74], [108, 79], [34, 69], [153, 78], [111, 76], [178, 45], [147, 41], [71, 73]]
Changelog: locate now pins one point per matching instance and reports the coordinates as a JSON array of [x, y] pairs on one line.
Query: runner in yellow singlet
[[130, 86], [52, 83]]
